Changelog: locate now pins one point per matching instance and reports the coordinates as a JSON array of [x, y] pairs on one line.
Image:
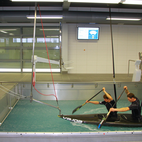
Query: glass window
[[15, 42], [10, 42], [48, 40], [10, 65], [9, 54], [49, 31], [40, 65], [53, 54], [8, 37], [7, 32]]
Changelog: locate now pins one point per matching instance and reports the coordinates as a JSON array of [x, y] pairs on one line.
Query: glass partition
[[7, 99], [40, 65], [10, 65], [53, 54], [10, 54], [16, 45]]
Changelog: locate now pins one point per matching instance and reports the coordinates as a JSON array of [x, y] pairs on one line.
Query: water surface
[[36, 117]]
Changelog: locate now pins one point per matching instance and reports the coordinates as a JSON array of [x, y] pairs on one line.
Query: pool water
[[36, 117]]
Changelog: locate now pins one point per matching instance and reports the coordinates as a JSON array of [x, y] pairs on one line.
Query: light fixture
[[6, 30], [49, 29], [9, 29], [37, 0], [45, 17], [27, 70], [41, 70], [11, 34], [2, 31], [9, 70], [134, 2], [52, 36], [124, 19], [95, 1]]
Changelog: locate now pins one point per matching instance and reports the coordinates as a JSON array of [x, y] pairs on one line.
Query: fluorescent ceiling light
[[9, 70], [8, 29], [37, 0], [49, 29], [45, 17], [27, 70], [95, 1], [53, 36], [124, 19], [11, 34], [41, 70], [135, 2], [3, 31]]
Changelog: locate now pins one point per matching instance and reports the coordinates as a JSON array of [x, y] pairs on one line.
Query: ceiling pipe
[[68, 17]]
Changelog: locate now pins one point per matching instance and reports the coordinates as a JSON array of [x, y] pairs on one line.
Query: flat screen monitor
[[88, 33]]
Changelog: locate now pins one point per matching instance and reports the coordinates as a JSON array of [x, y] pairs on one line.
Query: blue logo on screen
[[92, 34]]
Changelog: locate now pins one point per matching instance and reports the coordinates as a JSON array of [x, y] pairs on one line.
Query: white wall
[[96, 56]]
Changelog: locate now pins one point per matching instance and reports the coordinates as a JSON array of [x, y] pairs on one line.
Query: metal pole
[[31, 96], [21, 50], [60, 41], [114, 83]]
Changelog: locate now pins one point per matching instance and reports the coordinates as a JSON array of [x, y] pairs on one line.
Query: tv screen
[[88, 33]]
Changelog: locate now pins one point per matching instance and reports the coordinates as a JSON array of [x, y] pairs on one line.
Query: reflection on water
[[85, 126], [98, 110]]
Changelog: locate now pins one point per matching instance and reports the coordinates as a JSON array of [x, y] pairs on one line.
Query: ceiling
[[81, 13]]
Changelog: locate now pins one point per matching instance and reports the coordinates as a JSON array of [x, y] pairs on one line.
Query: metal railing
[[129, 65]]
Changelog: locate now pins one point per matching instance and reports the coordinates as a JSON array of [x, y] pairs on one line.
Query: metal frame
[[129, 136], [129, 65], [21, 48]]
